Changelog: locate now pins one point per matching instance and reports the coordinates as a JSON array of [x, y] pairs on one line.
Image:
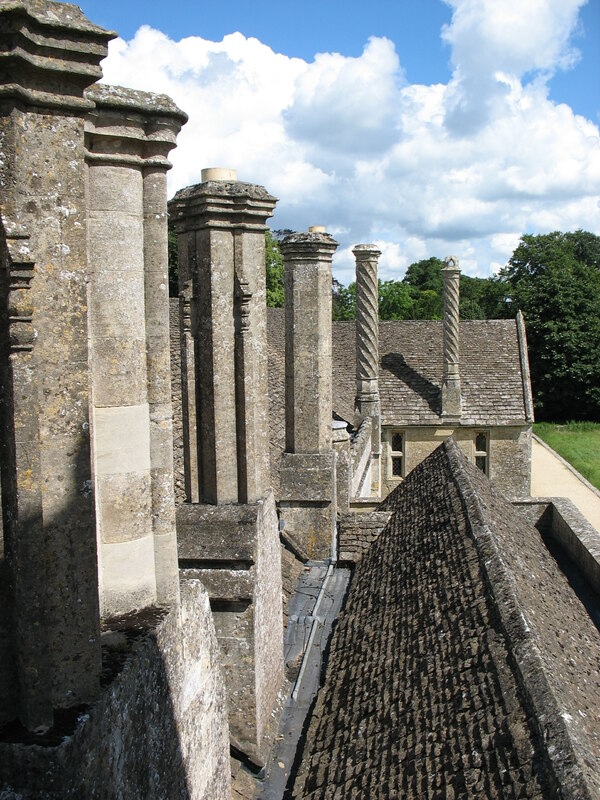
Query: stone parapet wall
[[158, 730], [561, 519]]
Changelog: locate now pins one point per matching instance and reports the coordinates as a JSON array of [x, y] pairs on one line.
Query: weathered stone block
[[124, 503], [128, 575], [307, 477], [122, 250], [119, 372], [208, 533], [117, 304]]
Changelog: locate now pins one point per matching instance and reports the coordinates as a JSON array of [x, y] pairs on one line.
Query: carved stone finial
[[451, 263]]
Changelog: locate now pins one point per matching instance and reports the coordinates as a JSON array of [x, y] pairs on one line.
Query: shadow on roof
[[397, 365]]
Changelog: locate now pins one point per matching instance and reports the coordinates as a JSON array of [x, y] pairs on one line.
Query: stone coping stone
[[217, 533], [108, 96], [57, 15], [237, 189]]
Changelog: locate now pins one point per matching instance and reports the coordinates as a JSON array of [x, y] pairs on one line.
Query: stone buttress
[[307, 483], [227, 530], [128, 137]]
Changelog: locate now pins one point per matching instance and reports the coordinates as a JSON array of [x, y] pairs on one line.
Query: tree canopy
[[554, 279]]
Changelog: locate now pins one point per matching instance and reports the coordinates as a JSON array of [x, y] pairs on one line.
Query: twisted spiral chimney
[[451, 400]]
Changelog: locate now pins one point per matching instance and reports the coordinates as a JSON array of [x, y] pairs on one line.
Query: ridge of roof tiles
[[448, 666]]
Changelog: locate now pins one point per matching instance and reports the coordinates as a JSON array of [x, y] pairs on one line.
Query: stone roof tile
[[454, 609]]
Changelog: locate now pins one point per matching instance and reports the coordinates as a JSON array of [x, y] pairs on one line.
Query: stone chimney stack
[[128, 137], [50, 54], [451, 400], [227, 532], [307, 469], [221, 230], [367, 350]]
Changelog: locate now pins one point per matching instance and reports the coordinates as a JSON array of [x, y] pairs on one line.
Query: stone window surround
[[482, 455], [396, 454]]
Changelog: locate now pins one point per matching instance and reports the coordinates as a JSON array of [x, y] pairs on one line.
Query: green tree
[[274, 269], [395, 300], [426, 275], [554, 279], [343, 301]]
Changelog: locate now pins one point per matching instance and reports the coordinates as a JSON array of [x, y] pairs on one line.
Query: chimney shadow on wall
[[418, 383]]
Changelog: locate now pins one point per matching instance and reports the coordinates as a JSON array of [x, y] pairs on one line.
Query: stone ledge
[[147, 103]]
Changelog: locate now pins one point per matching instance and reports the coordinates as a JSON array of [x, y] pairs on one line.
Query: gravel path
[[552, 477]]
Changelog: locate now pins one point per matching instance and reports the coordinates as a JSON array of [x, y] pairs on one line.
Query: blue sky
[[305, 27], [427, 126]]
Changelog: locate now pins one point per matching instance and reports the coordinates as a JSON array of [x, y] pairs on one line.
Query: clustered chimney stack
[[367, 350], [221, 229], [451, 400], [230, 516]]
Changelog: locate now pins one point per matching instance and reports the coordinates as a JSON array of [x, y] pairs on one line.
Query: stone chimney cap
[[307, 242], [317, 229], [451, 262], [218, 174], [366, 249]]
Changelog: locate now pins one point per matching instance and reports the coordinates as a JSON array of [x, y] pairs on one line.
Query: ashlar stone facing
[[49, 54], [128, 137]]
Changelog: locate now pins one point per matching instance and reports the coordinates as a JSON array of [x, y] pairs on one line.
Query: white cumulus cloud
[[421, 170]]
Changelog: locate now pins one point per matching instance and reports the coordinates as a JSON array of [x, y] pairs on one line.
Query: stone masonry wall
[[357, 531], [509, 453], [159, 730]]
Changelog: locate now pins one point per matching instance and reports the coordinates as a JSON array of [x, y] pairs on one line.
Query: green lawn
[[578, 443]]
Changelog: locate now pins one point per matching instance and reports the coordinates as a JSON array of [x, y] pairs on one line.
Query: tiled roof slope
[[410, 374], [421, 694], [411, 366], [556, 644]]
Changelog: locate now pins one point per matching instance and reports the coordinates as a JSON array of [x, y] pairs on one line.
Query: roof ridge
[[521, 641]]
